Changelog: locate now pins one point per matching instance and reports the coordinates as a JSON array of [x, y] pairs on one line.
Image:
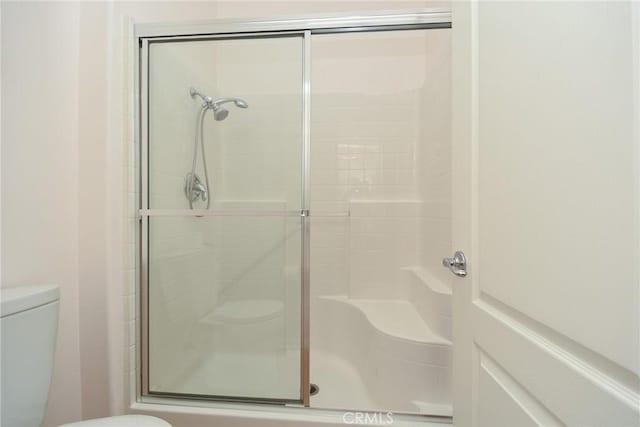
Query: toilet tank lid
[[21, 298]]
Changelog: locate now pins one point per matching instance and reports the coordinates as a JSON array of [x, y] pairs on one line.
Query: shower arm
[[206, 99]]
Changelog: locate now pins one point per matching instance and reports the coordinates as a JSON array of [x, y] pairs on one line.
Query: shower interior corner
[[225, 291]]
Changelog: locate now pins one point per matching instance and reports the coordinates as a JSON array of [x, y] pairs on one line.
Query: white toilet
[[28, 327]]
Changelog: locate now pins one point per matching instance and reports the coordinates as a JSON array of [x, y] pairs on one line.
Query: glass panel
[[253, 153], [224, 306], [380, 149], [225, 292]]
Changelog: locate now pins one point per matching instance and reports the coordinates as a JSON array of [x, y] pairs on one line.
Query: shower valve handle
[[194, 189], [199, 190]]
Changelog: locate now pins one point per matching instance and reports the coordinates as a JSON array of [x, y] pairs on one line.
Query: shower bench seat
[[396, 318], [400, 361]]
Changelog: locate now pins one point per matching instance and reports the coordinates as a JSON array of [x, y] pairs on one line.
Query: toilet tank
[[28, 327]]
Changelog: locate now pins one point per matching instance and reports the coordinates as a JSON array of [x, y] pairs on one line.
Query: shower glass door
[[223, 271]]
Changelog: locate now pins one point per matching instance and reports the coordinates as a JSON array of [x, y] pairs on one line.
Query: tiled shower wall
[[434, 156], [380, 151]]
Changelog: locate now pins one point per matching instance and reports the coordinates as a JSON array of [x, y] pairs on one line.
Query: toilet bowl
[[121, 421], [28, 327]]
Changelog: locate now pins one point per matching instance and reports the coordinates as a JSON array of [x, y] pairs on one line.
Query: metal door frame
[[212, 30]]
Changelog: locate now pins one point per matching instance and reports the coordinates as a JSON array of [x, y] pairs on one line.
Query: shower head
[[219, 113]]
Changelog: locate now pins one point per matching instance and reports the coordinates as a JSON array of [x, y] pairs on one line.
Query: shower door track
[[211, 30]]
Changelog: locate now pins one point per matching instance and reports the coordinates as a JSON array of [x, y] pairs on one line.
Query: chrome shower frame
[[145, 34]]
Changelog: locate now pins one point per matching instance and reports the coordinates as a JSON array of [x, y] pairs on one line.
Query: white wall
[[40, 174], [55, 112], [93, 111]]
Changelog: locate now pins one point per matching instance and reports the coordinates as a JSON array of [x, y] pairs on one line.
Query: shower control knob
[[194, 188], [457, 265]]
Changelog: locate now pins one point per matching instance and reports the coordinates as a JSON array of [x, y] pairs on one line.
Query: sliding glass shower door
[[223, 216]]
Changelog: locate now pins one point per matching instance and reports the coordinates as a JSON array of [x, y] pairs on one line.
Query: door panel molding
[[615, 373], [569, 386], [494, 379]]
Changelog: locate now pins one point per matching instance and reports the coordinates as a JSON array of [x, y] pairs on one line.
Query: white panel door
[[546, 195]]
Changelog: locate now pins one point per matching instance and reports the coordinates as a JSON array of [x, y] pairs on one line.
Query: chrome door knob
[[457, 264]]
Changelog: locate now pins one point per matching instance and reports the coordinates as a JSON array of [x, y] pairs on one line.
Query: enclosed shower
[[291, 240]]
